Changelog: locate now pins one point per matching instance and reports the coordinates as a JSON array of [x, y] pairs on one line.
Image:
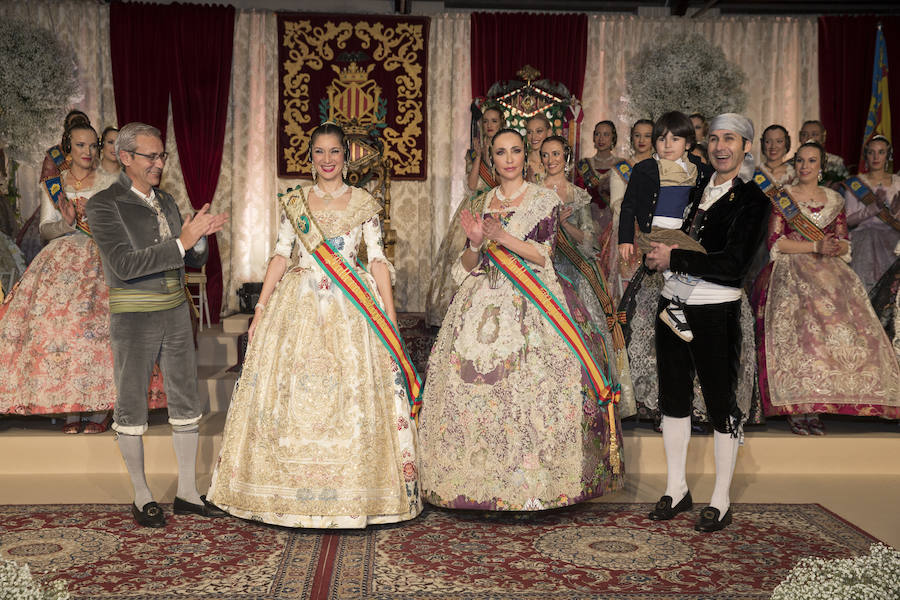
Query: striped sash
[[353, 287], [530, 285], [864, 194], [486, 175], [785, 205], [589, 269]]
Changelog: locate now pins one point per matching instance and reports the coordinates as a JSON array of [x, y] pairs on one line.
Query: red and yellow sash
[[486, 175], [353, 287], [594, 277], [530, 285], [864, 194], [785, 205]]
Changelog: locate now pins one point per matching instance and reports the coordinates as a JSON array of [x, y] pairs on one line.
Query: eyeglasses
[[163, 156]]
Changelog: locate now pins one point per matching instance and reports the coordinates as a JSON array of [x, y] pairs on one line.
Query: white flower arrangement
[[38, 80], [875, 576], [686, 73], [16, 583]]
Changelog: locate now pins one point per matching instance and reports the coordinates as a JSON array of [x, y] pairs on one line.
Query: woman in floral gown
[[319, 432], [479, 179], [820, 346], [510, 419], [55, 352]]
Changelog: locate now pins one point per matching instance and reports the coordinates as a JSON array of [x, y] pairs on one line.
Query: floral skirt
[[55, 353], [319, 432], [509, 419], [821, 347]]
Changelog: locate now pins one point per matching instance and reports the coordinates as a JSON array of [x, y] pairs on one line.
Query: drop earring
[[313, 173], [820, 175], [345, 170]]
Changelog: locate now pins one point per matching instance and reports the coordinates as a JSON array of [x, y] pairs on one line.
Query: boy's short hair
[[678, 124]]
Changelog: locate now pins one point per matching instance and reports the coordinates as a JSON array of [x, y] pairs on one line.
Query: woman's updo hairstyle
[[329, 128], [567, 149], [75, 125], [818, 147], [773, 127], [612, 127]]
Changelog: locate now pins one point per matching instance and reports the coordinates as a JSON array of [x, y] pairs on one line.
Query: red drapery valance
[[185, 51], [846, 55], [503, 43]]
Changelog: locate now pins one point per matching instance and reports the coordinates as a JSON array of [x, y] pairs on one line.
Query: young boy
[[659, 196]]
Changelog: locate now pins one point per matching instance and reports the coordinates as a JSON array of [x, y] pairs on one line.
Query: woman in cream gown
[[319, 432], [510, 420]]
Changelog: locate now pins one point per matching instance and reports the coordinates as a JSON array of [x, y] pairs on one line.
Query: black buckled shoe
[[709, 520], [149, 516], [207, 509], [663, 511]]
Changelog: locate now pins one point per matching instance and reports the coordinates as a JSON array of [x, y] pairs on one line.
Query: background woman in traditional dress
[[55, 352], [577, 226], [109, 163], [510, 420], [873, 238], [620, 271], [701, 129], [318, 432], [537, 128], [821, 348], [776, 143], [479, 179]]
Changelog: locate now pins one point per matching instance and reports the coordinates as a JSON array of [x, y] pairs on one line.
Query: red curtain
[[201, 79], [503, 43], [141, 61], [846, 56], [185, 51]]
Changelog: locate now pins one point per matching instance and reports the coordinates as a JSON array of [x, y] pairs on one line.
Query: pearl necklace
[[506, 202], [327, 197]]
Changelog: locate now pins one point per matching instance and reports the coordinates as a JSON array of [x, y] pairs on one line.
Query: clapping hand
[[493, 230], [201, 224], [67, 208], [473, 225]]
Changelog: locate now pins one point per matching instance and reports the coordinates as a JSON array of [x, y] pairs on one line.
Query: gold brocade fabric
[[318, 432], [825, 350], [508, 420]]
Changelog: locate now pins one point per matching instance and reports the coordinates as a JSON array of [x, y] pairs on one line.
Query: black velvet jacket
[[731, 231], [642, 194]]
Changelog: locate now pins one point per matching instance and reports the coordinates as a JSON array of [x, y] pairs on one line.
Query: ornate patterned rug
[[598, 550]]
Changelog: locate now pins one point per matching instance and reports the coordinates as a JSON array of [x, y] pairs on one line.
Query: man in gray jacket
[[144, 246]]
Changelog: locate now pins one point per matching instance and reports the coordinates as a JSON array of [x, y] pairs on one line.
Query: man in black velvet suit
[[729, 222]]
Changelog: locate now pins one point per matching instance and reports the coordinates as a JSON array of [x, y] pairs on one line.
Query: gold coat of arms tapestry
[[367, 73]]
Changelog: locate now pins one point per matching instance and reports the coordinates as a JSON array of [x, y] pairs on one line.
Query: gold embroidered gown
[[509, 420], [319, 433]]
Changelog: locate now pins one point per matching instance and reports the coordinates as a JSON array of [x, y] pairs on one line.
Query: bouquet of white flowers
[[38, 80], [875, 576], [16, 583], [686, 73]]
